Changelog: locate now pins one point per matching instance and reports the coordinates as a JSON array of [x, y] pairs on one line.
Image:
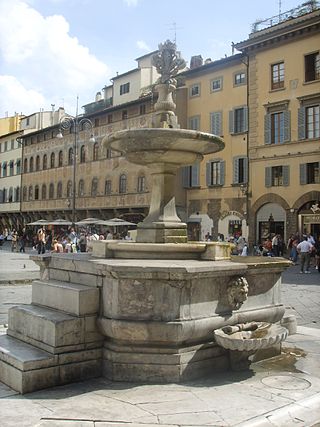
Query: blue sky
[[53, 50]]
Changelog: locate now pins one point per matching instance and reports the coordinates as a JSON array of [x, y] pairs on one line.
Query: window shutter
[[303, 173], [222, 172], [302, 123], [216, 123], [194, 123], [267, 129], [286, 175], [186, 176], [268, 177], [236, 170], [208, 174], [245, 167], [195, 169], [245, 119], [286, 119], [231, 121]]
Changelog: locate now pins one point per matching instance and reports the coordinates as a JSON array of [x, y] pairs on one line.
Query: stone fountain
[[144, 311]]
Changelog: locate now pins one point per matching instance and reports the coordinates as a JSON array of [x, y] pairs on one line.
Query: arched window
[[36, 192], [70, 156], [17, 194], [59, 190], [141, 184], [10, 197], [1, 196], [44, 162], [51, 191], [11, 167], [60, 159], [24, 193], [30, 193], [123, 183], [43, 192], [18, 167], [25, 165], [31, 164], [69, 188], [37, 163], [52, 160], [95, 151], [4, 195], [4, 169], [82, 154], [108, 187], [94, 187], [81, 188]]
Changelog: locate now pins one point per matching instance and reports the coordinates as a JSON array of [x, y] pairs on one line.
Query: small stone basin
[[250, 337]]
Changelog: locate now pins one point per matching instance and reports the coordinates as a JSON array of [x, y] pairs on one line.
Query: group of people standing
[[307, 248]]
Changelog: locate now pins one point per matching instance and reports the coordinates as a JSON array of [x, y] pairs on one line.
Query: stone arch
[[311, 195], [269, 198]]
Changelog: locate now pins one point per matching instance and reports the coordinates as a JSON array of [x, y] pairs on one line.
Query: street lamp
[[76, 124]]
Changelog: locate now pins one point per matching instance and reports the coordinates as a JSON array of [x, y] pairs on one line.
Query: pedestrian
[[14, 241], [305, 248], [23, 240], [41, 241], [83, 243], [244, 250], [275, 245]]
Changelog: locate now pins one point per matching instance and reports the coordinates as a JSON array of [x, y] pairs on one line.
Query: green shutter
[[186, 176], [286, 130], [245, 119], [216, 123], [208, 174], [195, 175], [302, 123], [231, 121], [222, 172], [268, 177], [245, 167], [303, 173], [267, 129], [286, 175]]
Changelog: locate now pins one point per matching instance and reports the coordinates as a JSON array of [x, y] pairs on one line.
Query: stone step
[[69, 297], [26, 368], [45, 328]]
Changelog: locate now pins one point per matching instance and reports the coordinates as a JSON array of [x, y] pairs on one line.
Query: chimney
[[196, 61], [98, 96]]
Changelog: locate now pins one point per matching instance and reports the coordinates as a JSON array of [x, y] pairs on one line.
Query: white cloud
[[45, 59], [131, 2], [143, 45]]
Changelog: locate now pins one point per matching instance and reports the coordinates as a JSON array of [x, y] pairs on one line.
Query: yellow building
[[10, 124], [284, 144]]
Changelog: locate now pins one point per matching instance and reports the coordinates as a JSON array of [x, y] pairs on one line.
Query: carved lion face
[[237, 292]]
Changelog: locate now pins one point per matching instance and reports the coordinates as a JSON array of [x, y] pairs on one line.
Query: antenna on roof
[[279, 9], [175, 28]]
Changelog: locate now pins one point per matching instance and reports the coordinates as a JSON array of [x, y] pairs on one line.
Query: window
[[43, 192], [59, 190], [95, 151], [24, 193], [277, 76], [11, 164], [108, 187], [109, 153], [309, 173], [17, 194], [4, 169], [12, 144], [216, 123], [70, 156], [142, 109], [277, 127], [44, 162], [194, 123], [240, 170], [10, 195], [37, 163], [6, 146], [109, 118], [94, 187], [69, 188], [141, 184], [312, 67], [52, 160], [277, 176], [31, 164], [240, 78], [82, 154], [96, 123], [81, 188], [51, 191], [194, 90], [123, 183], [36, 192], [124, 114], [60, 159], [215, 173], [25, 165], [308, 122], [191, 176], [30, 193], [216, 84], [18, 166], [238, 120], [125, 88]]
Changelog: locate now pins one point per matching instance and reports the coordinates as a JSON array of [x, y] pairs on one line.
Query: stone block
[[65, 296]]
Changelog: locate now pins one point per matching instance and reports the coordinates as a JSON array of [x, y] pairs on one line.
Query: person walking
[[41, 243], [304, 249]]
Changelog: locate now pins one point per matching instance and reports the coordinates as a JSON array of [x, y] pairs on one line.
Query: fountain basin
[[264, 336]]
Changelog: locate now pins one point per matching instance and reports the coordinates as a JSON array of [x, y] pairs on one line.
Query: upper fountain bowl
[[147, 146]]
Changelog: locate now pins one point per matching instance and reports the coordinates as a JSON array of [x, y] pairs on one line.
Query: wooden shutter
[[245, 119], [268, 177], [186, 176], [195, 175], [286, 175], [286, 122], [302, 123], [208, 174], [236, 170], [222, 172], [245, 169], [303, 173], [267, 129], [216, 123], [231, 121]]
